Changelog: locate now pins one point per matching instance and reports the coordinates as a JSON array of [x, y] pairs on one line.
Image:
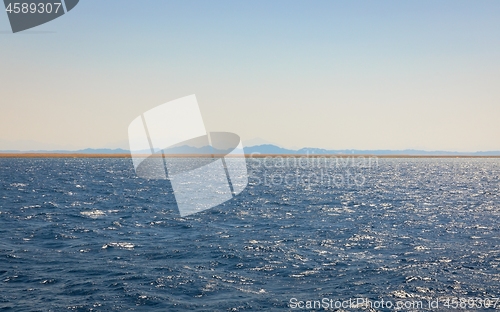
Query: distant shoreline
[[83, 155]]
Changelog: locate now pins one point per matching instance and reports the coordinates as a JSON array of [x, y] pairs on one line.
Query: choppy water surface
[[87, 234]]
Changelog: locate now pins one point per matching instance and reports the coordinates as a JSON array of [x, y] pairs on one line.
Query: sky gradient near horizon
[[327, 74]]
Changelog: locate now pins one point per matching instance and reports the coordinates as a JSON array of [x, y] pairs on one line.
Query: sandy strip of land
[[70, 155], [61, 155]]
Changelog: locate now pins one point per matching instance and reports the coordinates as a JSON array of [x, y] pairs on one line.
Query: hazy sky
[[329, 74]]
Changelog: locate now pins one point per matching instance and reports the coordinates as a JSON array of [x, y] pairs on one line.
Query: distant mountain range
[[271, 150]]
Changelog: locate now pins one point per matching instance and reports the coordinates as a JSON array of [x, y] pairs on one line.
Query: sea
[[338, 234]]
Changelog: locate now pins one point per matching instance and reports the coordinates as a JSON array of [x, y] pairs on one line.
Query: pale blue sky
[[330, 74]]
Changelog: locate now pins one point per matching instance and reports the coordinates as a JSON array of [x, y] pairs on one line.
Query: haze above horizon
[[360, 75]]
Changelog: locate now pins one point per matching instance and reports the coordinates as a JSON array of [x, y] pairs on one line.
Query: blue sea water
[[88, 235]]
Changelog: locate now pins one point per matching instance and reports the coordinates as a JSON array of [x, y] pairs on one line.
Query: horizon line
[[304, 150], [127, 155]]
